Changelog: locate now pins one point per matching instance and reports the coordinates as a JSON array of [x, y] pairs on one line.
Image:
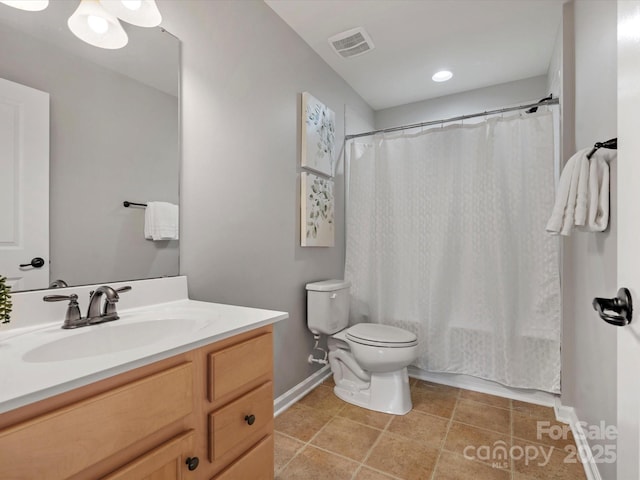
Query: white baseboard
[[568, 415], [485, 386], [294, 394]]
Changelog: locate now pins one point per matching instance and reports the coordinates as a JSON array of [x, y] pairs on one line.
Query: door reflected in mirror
[[113, 137]]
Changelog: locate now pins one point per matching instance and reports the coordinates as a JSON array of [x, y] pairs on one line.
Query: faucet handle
[[60, 298], [73, 317], [110, 307]]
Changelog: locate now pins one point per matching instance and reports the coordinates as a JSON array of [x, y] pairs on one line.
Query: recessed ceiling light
[[442, 76]]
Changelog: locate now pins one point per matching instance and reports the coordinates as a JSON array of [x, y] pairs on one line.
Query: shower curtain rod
[[551, 101]]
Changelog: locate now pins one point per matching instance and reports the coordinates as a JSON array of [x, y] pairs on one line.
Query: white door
[[628, 453], [24, 185]]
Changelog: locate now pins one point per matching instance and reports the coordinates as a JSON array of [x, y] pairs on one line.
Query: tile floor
[[322, 437]]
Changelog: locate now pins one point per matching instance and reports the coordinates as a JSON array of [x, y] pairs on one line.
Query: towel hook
[[611, 144]]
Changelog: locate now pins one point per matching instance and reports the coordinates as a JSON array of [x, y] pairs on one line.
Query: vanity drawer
[[237, 366], [256, 464], [230, 433], [68, 440]]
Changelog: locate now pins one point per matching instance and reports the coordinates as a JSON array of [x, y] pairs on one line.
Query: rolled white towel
[[571, 195], [598, 214]]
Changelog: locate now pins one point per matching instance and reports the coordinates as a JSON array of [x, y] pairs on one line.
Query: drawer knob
[[250, 419], [192, 463]]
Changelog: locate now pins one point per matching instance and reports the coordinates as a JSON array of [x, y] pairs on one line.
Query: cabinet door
[[256, 464], [48, 446], [167, 462]]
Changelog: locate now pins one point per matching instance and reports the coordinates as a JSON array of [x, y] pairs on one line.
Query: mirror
[[114, 137]]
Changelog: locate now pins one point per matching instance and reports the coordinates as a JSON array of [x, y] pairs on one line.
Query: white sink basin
[[112, 337]]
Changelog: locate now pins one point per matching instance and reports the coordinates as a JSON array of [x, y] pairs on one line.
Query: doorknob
[[36, 262], [620, 304]]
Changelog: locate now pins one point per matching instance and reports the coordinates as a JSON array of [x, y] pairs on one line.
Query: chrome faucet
[[94, 315]]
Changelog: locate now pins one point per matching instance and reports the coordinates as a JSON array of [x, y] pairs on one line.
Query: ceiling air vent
[[351, 43]]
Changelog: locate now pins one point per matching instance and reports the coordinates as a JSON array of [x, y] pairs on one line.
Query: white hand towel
[[582, 193], [598, 215], [161, 221], [571, 195]]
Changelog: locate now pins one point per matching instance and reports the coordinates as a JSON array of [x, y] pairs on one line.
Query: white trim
[[294, 394], [568, 415], [485, 386]]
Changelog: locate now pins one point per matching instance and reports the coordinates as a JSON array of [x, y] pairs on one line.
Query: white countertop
[[36, 361]]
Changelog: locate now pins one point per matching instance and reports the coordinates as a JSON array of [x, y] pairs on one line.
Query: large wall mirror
[[113, 137]]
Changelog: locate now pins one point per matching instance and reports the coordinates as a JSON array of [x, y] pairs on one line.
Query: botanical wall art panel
[[316, 220], [318, 135]]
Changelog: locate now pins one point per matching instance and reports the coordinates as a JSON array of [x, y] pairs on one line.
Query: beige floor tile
[[365, 416], [322, 398], [421, 427], [315, 464], [465, 440], [301, 422], [533, 410], [285, 449], [492, 400], [347, 438], [329, 382], [456, 467], [483, 416], [368, 474], [560, 465], [549, 432], [403, 458], [434, 403], [423, 385]]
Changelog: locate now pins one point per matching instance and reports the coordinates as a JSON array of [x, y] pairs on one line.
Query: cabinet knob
[[250, 419], [192, 463]]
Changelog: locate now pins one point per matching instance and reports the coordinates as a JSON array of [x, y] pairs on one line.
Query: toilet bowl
[[368, 361], [370, 370]]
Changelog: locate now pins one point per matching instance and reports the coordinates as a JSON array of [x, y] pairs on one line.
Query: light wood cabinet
[[214, 403], [162, 463]]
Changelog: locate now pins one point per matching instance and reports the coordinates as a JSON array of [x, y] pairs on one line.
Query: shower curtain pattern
[[446, 238]]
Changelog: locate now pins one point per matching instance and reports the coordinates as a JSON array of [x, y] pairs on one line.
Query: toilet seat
[[381, 336]]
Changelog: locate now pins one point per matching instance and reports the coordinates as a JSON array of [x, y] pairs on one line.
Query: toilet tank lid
[[328, 285]]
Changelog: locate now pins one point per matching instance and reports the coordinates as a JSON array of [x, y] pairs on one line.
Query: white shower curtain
[[446, 238]]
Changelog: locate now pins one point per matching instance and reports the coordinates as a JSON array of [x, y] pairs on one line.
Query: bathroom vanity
[[198, 405]]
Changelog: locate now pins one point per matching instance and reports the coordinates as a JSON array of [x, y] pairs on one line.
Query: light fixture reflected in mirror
[[93, 24], [142, 13], [28, 5]]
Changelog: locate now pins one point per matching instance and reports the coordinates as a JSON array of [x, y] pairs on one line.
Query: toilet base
[[387, 392]]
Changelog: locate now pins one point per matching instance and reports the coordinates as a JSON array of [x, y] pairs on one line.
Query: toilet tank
[[328, 306]]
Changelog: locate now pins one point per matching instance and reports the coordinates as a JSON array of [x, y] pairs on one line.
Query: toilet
[[368, 361]]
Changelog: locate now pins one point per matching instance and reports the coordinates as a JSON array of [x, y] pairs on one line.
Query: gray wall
[[589, 344], [112, 139], [472, 101], [243, 72]]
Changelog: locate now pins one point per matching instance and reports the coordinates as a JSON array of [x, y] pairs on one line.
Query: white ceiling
[[483, 42]]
